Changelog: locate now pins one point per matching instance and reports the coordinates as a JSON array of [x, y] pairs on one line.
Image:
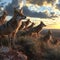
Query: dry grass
[[35, 48]]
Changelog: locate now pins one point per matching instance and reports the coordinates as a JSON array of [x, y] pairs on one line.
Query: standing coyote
[[48, 36], [36, 29], [25, 24], [2, 18], [11, 27], [30, 27]]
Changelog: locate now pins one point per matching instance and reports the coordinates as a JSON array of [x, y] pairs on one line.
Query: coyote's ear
[[21, 10], [5, 12], [33, 23], [28, 19], [14, 8], [49, 31], [41, 22]]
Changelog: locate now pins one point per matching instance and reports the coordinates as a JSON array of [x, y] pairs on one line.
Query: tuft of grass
[[30, 46], [35, 48], [4, 42]]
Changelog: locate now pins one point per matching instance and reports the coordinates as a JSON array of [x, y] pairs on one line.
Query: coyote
[[30, 27], [11, 27], [25, 24], [45, 40], [48, 36], [36, 29], [2, 18]]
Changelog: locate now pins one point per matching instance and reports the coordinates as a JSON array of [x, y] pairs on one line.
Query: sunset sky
[[44, 6]]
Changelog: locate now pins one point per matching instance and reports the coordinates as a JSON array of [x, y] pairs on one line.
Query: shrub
[[30, 46], [4, 42]]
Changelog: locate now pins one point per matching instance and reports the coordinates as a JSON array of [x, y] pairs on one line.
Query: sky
[[36, 7], [7, 1], [44, 8]]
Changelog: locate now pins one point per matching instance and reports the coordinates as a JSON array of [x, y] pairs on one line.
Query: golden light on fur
[[2, 18]]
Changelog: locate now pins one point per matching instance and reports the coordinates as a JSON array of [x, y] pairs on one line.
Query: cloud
[[40, 2], [9, 9], [29, 13], [26, 11], [10, 6]]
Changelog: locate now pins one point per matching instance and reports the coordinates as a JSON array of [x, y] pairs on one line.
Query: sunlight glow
[[46, 4], [56, 26], [50, 24]]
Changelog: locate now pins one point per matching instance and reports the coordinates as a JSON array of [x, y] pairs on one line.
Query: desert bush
[[35, 49], [49, 50], [30, 46], [1, 57], [4, 42]]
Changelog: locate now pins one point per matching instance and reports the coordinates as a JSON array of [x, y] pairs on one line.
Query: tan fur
[[24, 24], [48, 36], [45, 40], [30, 26], [12, 26], [27, 23], [2, 18], [36, 29]]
